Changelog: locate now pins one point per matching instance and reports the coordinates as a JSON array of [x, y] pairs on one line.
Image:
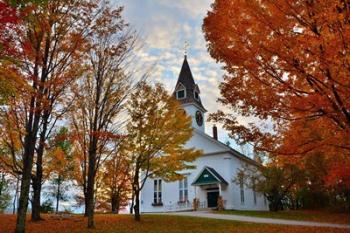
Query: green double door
[[212, 198]]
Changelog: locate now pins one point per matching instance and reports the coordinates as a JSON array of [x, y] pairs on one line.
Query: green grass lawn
[[304, 215], [154, 224]]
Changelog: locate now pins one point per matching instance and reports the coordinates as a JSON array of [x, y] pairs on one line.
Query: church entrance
[[212, 198], [210, 182]]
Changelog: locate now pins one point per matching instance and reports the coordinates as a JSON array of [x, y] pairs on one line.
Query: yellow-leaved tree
[[156, 137]]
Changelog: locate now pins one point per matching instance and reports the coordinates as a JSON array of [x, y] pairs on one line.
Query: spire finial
[[186, 45]]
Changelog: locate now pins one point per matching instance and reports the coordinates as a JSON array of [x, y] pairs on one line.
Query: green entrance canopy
[[208, 176]]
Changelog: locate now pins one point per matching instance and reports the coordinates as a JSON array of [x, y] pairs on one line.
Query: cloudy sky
[[164, 26]]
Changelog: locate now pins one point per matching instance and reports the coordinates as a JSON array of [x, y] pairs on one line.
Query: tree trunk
[[137, 206], [15, 197], [90, 185], [276, 204], [58, 193], [86, 204], [132, 202], [117, 203], [29, 147], [36, 199], [2, 183], [38, 178], [114, 202], [118, 207], [136, 188]]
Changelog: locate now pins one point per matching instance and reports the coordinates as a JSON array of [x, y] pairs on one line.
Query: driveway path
[[206, 214]]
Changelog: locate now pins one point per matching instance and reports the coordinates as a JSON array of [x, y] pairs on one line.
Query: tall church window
[[254, 192], [241, 185], [181, 94], [157, 191], [183, 190]]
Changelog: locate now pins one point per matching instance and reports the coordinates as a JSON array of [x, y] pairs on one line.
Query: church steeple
[[188, 93], [186, 90]]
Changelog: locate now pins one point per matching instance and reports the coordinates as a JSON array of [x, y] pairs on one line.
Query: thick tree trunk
[[115, 202], [29, 147], [136, 188], [90, 205], [276, 204], [38, 178], [36, 199], [137, 206], [90, 186]]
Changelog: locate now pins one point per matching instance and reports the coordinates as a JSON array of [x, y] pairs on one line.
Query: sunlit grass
[[153, 224]]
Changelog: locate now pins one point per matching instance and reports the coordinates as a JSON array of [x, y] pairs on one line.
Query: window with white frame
[[254, 191], [181, 94], [157, 191], [183, 190], [241, 185]]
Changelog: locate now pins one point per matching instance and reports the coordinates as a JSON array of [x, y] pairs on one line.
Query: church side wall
[[235, 191], [226, 165]]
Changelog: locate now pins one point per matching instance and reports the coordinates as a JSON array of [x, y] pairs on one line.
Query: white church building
[[216, 170]]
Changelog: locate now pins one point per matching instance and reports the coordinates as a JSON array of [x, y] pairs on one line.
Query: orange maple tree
[[287, 64], [51, 51], [115, 189]]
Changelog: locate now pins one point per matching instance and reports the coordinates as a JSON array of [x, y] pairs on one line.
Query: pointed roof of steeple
[[185, 76], [187, 82]]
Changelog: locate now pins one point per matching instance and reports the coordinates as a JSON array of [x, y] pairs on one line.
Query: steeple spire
[[185, 48], [185, 76], [186, 82]]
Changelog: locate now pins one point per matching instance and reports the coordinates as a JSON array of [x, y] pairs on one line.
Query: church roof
[[228, 149], [209, 176], [186, 81]]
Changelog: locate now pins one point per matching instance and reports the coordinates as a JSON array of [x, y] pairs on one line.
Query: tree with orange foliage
[[50, 61], [156, 134], [287, 63], [100, 95], [116, 187]]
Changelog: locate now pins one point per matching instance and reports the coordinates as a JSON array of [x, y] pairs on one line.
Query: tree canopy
[[287, 62]]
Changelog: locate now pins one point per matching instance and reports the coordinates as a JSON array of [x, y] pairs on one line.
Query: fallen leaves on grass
[[153, 224]]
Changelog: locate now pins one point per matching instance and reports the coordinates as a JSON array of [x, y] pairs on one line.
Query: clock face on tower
[[199, 118]]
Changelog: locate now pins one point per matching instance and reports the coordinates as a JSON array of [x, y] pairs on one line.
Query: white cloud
[[166, 25], [192, 9]]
